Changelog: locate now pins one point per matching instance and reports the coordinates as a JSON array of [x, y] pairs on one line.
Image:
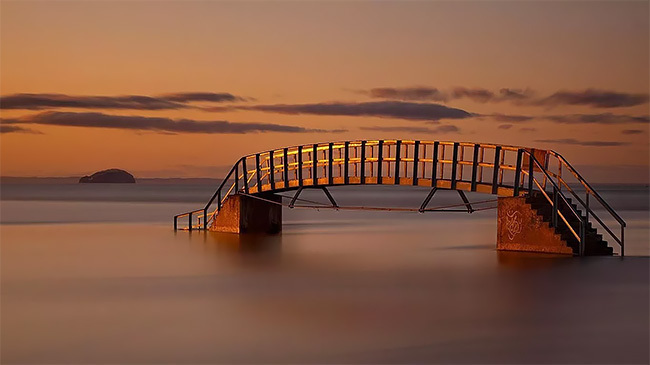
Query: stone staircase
[[594, 243]]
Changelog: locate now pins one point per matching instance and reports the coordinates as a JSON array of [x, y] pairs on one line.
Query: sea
[[95, 274]]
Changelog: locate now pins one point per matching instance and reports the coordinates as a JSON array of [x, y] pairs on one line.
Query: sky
[[185, 88]]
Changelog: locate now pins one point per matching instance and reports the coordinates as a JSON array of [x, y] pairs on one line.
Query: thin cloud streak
[[594, 98], [572, 141], [126, 102], [380, 109], [156, 124], [8, 128], [604, 118], [409, 129], [632, 131]]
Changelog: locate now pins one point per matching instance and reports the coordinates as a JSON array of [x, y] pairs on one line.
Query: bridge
[[544, 204]]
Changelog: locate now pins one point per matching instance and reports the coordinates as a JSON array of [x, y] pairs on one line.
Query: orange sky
[[316, 52]]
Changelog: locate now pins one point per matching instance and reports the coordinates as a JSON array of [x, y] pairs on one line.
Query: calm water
[[95, 274]]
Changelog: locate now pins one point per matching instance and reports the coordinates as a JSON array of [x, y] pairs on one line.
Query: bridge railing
[[488, 168]]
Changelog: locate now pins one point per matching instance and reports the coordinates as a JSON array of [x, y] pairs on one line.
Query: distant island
[[109, 176]]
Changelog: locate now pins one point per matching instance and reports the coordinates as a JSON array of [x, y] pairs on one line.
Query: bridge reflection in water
[[558, 193]]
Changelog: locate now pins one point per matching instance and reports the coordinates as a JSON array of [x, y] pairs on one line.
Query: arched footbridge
[[554, 196]]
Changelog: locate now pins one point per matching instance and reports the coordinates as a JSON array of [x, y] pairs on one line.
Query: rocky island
[[109, 176]]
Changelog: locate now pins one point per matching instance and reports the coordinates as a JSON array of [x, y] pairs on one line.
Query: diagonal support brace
[[466, 201], [427, 200], [329, 196], [295, 197]]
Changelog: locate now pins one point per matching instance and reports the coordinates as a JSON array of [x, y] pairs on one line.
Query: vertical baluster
[[434, 167], [454, 163], [237, 177], [362, 173], [271, 170], [416, 156], [398, 146], [258, 172], [245, 175], [300, 166], [285, 175], [495, 172], [330, 163], [530, 172], [380, 152], [520, 153], [346, 162], [475, 166], [314, 164]]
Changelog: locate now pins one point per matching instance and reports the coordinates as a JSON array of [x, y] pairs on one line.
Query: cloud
[[381, 109], [409, 129], [510, 118], [8, 128], [477, 94], [632, 131], [199, 96], [590, 97], [583, 143], [505, 126], [132, 102], [604, 118], [594, 98], [415, 93], [156, 124]]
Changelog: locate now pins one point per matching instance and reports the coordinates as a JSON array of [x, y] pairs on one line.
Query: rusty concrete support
[[520, 228], [243, 214]]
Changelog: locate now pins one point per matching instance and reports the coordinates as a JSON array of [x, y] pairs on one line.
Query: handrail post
[[346, 163], [380, 153], [258, 172], [622, 240], [189, 221], [495, 172], [175, 223], [205, 218], [416, 161], [555, 203], [587, 210], [434, 167], [245, 171], [530, 172], [314, 164], [583, 235], [518, 172], [271, 169], [285, 176], [398, 146], [454, 167], [237, 177], [300, 166], [362, 168], [477, 147], [330, 162]]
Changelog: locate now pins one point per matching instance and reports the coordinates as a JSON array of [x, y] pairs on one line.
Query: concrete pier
[[243, 214], [520, 228]]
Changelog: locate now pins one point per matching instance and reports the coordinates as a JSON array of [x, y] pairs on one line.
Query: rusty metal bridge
[[570, 203]]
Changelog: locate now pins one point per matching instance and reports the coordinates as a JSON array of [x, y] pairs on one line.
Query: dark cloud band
[[155, 124], [590, 97], [409, 129], [132, 102], [380, 109]]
